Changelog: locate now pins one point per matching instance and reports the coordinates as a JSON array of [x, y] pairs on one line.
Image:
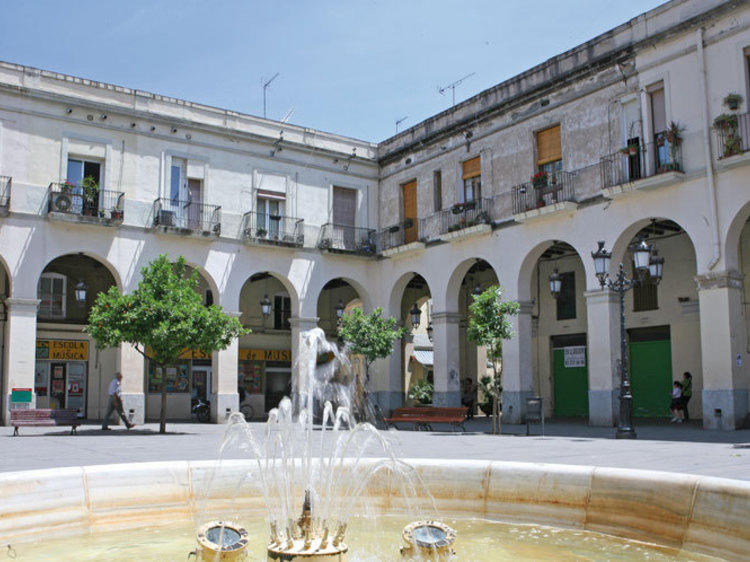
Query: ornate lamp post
[[646, 259]]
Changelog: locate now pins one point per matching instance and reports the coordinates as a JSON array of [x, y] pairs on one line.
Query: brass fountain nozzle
[[305, 520]]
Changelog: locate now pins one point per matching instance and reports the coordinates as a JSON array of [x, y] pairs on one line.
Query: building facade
[[615, 140]]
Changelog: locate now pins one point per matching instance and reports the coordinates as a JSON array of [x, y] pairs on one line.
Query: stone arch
[[92, 255], [398, 289], [456, 279], [620, 247], [731, 242], [285, 282]]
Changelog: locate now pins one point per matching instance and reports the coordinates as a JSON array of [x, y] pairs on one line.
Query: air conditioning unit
[[165, 218]]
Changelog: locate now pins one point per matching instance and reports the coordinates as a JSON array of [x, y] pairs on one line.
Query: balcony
[[5, 183], [347, 239], [71, 202], [545, 193], [187, 217], [273, 229], [398, 238], [461, 220], [642, 166], [732, 134]]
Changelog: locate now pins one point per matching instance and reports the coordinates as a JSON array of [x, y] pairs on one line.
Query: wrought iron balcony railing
[[544, 189], [100, 205], [187, 216], [274, 229], [732, 134], [343, 238], [455, 218], [5, 184], [405, 232], [639, 161]]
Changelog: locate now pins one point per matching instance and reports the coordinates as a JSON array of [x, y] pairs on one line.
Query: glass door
[[41, 384], [269, 218], [57, 386], [75, 398], [201, 387]]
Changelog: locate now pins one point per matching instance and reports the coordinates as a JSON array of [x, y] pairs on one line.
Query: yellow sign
[[266, 355], [64, 350]]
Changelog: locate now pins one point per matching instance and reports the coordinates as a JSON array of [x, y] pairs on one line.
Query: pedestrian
[[687, 392], [675, 406], [115, 403], [468, 396]]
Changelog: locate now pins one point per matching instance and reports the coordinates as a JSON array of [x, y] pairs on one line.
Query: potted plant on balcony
[[458, 208], [540, 179], [733, 101], [726, 122], [116, 214], [421, 392], [630, 150], [674, 133], [90, 195], [261, 232]]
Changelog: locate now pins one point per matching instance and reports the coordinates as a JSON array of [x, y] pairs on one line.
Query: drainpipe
[[715, 234]]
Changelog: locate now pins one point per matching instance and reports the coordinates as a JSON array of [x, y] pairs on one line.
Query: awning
[[424, 357]]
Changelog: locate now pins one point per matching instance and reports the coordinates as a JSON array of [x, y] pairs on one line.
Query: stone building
[[614, 140]]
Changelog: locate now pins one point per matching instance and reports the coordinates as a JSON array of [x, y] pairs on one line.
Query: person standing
[[115, 403], [676, 404], [687, 392]]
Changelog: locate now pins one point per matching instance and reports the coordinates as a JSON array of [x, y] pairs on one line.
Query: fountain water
[[308, 492]]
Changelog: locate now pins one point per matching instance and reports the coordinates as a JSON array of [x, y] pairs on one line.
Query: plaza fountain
[[314, 484]]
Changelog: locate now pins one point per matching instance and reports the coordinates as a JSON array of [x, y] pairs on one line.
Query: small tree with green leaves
[[371, 336], [489, 326], [161, 319]]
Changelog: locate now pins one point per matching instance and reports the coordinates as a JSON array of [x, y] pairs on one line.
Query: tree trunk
[[496, 395], [163, 413]]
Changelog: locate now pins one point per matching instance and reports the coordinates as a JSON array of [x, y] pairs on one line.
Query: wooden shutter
[[548, 145], [472, 168], [344, 206], [410, 210], [658, 110]]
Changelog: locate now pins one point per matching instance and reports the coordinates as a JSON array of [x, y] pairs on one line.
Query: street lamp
[[415, 314], [80, 291], [265, 306], [555, 283], [646, 259], [430, 331]]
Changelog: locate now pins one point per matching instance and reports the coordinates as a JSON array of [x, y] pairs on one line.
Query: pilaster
[[446, 358], [20, 349], [517, 377], [603, 349], [224, 396]]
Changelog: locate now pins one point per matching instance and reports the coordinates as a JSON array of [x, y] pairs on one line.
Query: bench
[[424, 416], [44, 417]]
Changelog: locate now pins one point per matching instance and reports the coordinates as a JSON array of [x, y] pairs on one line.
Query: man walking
[[115, 403]]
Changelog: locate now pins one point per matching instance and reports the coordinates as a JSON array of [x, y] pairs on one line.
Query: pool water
[[369, 540]]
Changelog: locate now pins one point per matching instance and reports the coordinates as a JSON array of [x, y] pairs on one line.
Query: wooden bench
[[424, 416], [44, 417]]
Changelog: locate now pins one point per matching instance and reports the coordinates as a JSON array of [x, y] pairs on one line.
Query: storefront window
[[251, 376]]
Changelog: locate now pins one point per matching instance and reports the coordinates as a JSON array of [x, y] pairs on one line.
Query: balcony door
[[79, 169], [410, 211], [178, 193], [269, 218], [194, 205], [343, 217]]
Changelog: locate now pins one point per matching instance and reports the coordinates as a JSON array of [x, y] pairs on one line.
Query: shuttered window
[[548, 145], [472, 168], [344, 206], [658, 109]]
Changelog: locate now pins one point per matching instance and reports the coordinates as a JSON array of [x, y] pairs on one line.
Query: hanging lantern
[[642, 255], [265, 306], [477, 290], [655, 266], [430, 331], [80, 291], [416, 314], [555, 283], [339, 309], [601, 262]]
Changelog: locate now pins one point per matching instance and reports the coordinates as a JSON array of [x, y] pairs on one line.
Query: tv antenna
[[452, 86], [288, 115], [399, 121], [264, 87]]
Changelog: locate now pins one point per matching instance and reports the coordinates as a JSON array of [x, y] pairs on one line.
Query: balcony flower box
[[540, 179]]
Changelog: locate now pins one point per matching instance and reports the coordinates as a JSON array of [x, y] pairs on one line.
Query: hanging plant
[[733, 101], [674, 133], [726, 122]]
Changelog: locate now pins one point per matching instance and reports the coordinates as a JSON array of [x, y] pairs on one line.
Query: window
[[282, 311], [269, 217], [645, 294], [178, 180], [472, 178], [659, 125], [52, 292], [437, 190], [77, 170], [566, 300], [549, 150]]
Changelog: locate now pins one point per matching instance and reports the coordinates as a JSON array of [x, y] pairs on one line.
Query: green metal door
[[651, 378], [571, 387]]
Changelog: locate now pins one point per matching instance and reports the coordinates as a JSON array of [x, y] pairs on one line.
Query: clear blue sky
[[350, 67]]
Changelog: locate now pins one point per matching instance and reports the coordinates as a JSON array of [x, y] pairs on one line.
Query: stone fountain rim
[[702, 514]]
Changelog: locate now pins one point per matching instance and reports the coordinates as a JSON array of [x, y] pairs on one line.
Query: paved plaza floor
[[672, 448]]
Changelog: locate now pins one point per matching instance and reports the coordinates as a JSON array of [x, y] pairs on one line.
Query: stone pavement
[[672, 448]]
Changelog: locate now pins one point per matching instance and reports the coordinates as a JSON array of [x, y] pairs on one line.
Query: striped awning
[[423, 356]]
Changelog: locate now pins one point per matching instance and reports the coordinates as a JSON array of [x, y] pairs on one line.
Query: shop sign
[[266, 355], [20, 395], [62, 350], [575, 356]]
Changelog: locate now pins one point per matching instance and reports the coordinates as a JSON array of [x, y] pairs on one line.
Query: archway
[[335, 297], [267, 304], [70, 372]]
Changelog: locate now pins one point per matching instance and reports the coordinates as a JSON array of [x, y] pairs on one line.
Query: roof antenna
[[399, 121], [264, 87], [452, 87], [288, 115]]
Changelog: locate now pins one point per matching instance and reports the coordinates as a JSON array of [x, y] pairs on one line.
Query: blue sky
[[353, 67]]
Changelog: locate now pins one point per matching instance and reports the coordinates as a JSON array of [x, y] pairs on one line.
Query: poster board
[[574, 356], [177, 381]]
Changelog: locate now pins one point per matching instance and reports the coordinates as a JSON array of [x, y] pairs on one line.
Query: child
[[676, 405]]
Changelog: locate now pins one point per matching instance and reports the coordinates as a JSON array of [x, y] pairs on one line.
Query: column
[[723, 350], [132, 366], [446, 358], [386, 380], [603, 349], [224, 396], [20, 349], [518, 376]]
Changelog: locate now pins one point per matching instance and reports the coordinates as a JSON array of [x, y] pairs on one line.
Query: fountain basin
[[695, 513]]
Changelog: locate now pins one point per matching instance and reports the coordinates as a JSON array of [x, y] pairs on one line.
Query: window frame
[[52, 276], [285, 314]]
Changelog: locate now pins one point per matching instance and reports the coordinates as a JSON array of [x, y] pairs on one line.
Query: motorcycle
[[202, 410]]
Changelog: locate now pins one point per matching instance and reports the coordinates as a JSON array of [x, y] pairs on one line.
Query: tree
[[489, 325], [371, 336], [161, 319]]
